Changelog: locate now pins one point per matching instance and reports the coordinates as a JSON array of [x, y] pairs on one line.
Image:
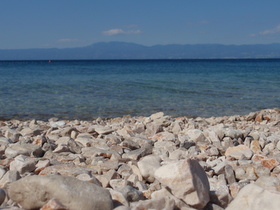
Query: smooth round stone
[[2, 195]]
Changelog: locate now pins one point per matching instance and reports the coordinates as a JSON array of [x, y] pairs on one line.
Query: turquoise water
[[90, 89]]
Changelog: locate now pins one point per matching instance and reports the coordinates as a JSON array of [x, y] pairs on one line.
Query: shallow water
[[90, 89]]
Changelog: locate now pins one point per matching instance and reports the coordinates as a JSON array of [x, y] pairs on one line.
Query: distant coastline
[[127, 51], [133, 60]]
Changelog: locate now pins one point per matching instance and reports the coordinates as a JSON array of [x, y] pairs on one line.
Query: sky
[[73, 23]]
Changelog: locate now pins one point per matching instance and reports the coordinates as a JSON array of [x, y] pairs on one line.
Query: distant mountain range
[[124, 50]]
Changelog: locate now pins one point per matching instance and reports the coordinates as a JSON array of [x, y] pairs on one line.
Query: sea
[[88, 89]]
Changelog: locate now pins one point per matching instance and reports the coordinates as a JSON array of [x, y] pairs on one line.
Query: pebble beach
[[155, 162]]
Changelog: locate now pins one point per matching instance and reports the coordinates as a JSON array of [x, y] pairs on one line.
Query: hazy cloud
[[114, 31], [268, 31], [271, 31], [117, 31]]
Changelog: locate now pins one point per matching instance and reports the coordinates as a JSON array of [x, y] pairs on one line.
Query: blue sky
[[73, 23]]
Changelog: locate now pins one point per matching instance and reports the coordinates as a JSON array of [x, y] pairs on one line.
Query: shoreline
[[133, 161], [28, 118]]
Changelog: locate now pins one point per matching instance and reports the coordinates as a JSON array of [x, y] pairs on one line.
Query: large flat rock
[[254, 197], [33, 192]]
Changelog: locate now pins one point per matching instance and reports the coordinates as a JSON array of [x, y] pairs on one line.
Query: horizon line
[[108, 42]]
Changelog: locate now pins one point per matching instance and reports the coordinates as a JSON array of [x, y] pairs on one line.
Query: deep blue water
[[90, 89]]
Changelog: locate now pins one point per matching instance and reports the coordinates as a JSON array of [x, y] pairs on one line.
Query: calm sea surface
[[90, 89]]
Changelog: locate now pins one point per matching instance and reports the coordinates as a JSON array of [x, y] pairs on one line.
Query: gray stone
[[219, 130], [67, 131], [148, 165], [178, 154], [213, 163], [213, 206], [141, 186], [23, 164], [88, 178], [254, 197], [66, 170], [164, 193], [12, 135], [133, 178], [187, 181], [239, 152], [136, 154], [163, 148], [102, 130], [219, 192], [213, 137], [240, 173], [63, 140], [132, 194], [261, 170], [153, 128], [226, 143], [5, 141], [85, 141], [213, 151], [187, 144], [61, 148], [53, 204], [118, 196], [27, 132], [157, 115], [197, 136], [269, 147], [92, 152], [220, 167], [122, 208], [229, 174], [138, 128], [251, 116], [24, 149], [269, 183], [162, 203], [177, 127], [233, 133], [250, 173], [74, 146], [33, 192], [113, 139], [278, 145], [118, 184], [125, 132], [9, 177], [136, 171], [57, 124], [276, 169], [41, 164], [164, 136], [193, 152], [124, 170], [2, 172], [102, 164], [130, 144], [2, 196]]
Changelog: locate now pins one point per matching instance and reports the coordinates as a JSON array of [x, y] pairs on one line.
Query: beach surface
[[155, 162]]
